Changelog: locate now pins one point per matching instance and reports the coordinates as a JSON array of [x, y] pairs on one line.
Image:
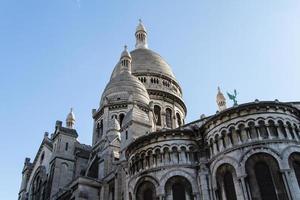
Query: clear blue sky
[[57, 54]]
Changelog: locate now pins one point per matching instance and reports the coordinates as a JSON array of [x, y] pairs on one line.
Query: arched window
[[264, 177], [294, 161], [169, 118], [100, 129], [273, 129], [225, 183], [37, 187], [178, 188], [253, 131], [263, 130], [291, 131], [229, 186], [282, 128], [178, 191], [42, 157], [179, 123], [157, 114], [147, 194], [146, 191], [264, 180], [121, 118]]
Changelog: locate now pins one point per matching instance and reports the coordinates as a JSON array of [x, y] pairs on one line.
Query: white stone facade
[[143, 150]]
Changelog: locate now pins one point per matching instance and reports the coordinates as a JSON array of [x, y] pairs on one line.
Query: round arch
[[285, 154], [221, 161], [260, 149], [178, 172], [144, 179], [178, 188], [264, 178]]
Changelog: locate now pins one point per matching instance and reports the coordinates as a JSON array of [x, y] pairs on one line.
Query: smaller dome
[[124, 87], [140, 27]]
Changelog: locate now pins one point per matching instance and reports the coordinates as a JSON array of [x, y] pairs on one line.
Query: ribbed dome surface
[[124, 87], [146, 60]]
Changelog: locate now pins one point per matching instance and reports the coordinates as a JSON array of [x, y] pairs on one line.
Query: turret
[[62, 161]]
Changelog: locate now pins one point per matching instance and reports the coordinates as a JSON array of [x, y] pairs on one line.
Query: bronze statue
[[233, 97]]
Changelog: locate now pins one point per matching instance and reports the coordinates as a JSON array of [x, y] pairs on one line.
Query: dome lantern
[[125, 60], [70, 121], [221, 101], [141, 36]]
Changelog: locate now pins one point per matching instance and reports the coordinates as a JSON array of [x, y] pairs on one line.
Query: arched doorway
[[146, 191], [178, 188], [225, 182], [264, 178]]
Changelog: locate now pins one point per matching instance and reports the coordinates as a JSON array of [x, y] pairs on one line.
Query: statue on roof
[[233, 97]]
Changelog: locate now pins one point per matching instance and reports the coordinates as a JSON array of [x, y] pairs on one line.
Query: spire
[[141, 36], [125, 60], [221, 101], [70, 121]]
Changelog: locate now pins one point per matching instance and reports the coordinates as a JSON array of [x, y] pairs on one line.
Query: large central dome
[[147, 61]]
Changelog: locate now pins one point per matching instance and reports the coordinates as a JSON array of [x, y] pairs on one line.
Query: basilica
[[142, 148]]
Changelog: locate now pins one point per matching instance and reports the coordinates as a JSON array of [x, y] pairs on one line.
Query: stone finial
[[221, 101]]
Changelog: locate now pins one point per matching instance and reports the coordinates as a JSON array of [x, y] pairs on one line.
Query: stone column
[[258, 133], [220, 143], [288, 133], [215, 147], [203, 182], [243, 186], [211, 150], [291, 184], [227, 141], [279, 131], [248, 134], [268, 132]]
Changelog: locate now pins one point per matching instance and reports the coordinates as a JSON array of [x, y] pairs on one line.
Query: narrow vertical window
[[121, 118], [178, 119], [67, 146], [169, 118], [157, 114]]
